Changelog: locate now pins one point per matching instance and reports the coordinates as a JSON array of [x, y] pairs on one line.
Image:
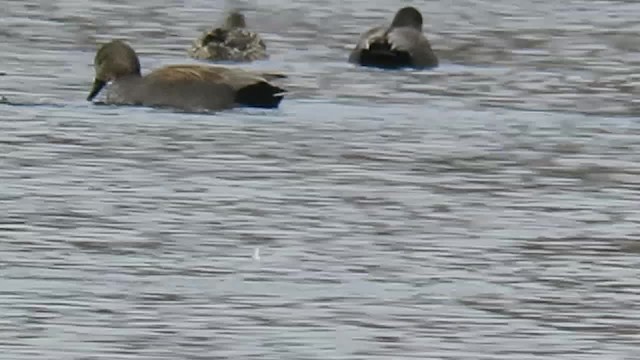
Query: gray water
[[488, 209]]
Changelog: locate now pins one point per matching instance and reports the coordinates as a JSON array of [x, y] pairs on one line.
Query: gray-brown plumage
[[402, 44], [229, 42], [188, 87]]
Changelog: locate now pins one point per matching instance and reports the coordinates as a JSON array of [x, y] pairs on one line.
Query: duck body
[[400, 45], [188, 87], [231, 42]]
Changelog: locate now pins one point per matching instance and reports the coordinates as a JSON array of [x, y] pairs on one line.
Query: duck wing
[[225, 86], [414, 42], [372, 35]]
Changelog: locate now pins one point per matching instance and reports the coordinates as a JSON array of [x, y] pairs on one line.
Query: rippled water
[[484, 210]]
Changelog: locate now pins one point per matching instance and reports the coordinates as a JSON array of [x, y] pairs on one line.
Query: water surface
[[484, 210]]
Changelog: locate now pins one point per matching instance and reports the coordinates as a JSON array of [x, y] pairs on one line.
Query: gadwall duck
[[188, 87], [402, 44], [230, 42]]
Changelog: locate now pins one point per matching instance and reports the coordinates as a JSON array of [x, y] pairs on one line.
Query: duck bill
[[97, 86]]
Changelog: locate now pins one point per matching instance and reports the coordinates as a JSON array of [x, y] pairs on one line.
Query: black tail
[[380, 54], [261, 95]]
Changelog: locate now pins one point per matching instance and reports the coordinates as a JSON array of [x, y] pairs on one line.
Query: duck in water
[[231, 42], [401, 44], [187, 87]]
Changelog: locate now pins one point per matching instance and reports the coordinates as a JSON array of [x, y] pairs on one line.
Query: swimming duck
[[402, 44], [230, 42], [188, 87]]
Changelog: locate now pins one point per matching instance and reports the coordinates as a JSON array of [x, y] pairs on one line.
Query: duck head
[[235, 19], [408, 17], [113, 60]]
